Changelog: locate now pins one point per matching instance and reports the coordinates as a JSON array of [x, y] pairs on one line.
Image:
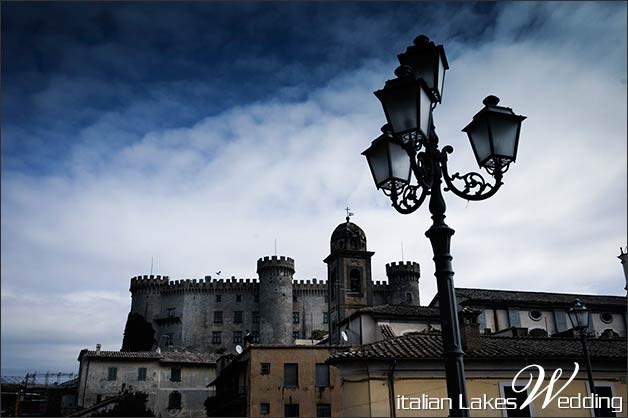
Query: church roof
[[554, 300], [347, 229], [401, 311], [430, 347]]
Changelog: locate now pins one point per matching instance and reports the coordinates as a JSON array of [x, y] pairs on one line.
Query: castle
[[210, 315]]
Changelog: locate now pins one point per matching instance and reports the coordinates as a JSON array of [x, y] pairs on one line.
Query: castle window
[[606, 317], [141, 374], [237, 317], [355, 281], [294, 297], [291, 375], [216, 337], [322, 375], [255, 337], [112, 373], [175, 374], [174, 400], [218, 298], [238, 298], [237, 337], [325, 317], [323, 410], [408, 297], [171, 312], [264, 368], [291, 410], [256, 317], [295, 334], [295, 317], [217, 317]]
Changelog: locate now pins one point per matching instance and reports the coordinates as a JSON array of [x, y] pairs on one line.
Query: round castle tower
[[403, 281], [275, 299], [146, 295]]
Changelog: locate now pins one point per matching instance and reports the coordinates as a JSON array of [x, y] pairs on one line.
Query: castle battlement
[[402, 267], [268, 263], [148, 282], [307, 286]]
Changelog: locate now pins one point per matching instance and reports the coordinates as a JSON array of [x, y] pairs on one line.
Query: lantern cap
[[490, 100], [491, 105]]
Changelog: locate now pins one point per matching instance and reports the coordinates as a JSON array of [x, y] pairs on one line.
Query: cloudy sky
[[199, 133]]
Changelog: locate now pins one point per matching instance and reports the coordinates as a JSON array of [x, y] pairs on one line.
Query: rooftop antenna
[[402, 259], [275, 247], [151, 264]]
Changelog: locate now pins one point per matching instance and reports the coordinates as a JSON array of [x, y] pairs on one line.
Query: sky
[[197, 134]]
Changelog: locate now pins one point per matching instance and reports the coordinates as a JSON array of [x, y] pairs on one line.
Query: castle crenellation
[[215, 314]]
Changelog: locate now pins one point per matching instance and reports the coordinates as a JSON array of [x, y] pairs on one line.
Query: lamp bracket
[[474, 186], [406, 198]]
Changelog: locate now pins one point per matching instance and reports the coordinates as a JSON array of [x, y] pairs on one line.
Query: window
[[291, 410], [237, 317], [237, 337], [408, 297], [171, 312], [323, 410], [255, 337], [265, 368], [218, 298], [141, 373], [264, 408], [294, 297], [217, 317], [175, 374], [295, 335], [535, 315], [322, 375], [216, 337], [98, 398], [256, 317], [167, 338], [519, 397], [295, 317], [291, 375], [238, 298], [112, 373], [605, 393], [606, 317], [174, 400], [325, 317], [355, 281]]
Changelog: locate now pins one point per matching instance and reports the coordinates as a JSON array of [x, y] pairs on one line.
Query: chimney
[[97, 349], [469, 329]]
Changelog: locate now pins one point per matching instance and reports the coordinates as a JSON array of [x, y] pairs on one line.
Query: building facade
[[175, 382]]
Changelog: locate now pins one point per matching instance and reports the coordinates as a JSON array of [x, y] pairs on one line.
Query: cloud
[[202, 185]]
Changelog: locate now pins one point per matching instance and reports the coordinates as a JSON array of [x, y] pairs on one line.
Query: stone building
[[176, 382], [214, 315]]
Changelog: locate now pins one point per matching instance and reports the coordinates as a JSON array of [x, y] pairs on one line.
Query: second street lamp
[[407, 165]]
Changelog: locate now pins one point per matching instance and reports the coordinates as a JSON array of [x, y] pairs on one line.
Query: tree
[[129, 404], [139, 334]]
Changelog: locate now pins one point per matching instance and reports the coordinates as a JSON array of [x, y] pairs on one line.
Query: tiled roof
[[404, 311], [386, 331], [430, 346], [557, 300], [164, 357]]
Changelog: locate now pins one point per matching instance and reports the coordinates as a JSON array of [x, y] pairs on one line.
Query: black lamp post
[[409, 146], [579, 315]]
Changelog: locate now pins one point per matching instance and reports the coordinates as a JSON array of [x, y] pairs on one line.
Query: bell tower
[[349, 283]]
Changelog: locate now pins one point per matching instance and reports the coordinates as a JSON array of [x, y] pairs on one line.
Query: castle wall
[[182, 312]]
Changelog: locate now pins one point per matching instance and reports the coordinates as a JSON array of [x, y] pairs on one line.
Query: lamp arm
[[407, 198], [475, 187]]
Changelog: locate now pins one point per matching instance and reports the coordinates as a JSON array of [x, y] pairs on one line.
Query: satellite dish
[[238, 349], [344, 336]]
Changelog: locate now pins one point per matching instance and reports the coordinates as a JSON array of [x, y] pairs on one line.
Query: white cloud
[[215, 195]]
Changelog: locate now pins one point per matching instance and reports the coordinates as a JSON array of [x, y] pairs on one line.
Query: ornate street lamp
[[579, 315], [407, 165]]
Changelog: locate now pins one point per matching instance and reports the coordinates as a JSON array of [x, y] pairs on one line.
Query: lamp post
[[408, 146], [579, 315]]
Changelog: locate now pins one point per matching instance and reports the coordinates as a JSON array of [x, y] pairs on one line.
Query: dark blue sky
[[195, 134], [67, 64]]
